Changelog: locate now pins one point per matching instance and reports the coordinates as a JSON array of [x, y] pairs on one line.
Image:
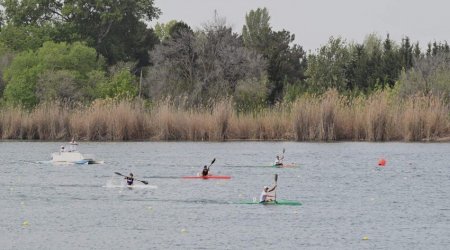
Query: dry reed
[[329, 117]]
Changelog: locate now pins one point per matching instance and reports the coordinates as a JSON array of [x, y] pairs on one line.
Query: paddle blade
[[276, 178], [284, 150], [214, 160], [145, 182], [117, 173]]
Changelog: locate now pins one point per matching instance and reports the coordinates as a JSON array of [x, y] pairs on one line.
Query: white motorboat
[[71, 155]]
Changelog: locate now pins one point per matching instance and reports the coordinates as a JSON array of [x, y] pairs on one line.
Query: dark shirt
[[129, 180], [205, 172]]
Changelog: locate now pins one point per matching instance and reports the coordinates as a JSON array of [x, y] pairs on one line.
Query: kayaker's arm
[[272, 188]]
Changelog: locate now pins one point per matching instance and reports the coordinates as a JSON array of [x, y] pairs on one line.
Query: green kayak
[[277, 202], [285, 165]]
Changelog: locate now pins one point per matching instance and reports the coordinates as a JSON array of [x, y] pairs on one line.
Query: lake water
[[348, 202]]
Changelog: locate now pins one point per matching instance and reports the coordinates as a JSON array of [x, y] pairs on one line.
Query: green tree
[[356, 71], [391, 62], [286, 62], [55, 71], [162, 30], [116, 29], [256, 31], [375, 75], [6, 56], [30, 37], [326, 67], [429, 75], [406, 53], [177, 30], [121, 85]]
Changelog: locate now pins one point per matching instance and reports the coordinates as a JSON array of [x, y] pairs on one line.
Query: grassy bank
[[379, 117]]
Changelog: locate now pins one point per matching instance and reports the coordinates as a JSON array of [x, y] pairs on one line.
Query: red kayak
[[207, 177]]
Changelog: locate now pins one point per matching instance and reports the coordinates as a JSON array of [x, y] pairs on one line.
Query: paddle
[[275, 195], [214, 160], [117, 173]]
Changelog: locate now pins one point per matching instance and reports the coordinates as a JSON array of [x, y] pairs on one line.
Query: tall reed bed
[[328, 117]]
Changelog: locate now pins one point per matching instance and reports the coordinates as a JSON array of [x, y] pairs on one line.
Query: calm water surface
[[348, 201]]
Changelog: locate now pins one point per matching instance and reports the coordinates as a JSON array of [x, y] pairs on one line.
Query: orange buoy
[[382, 162]]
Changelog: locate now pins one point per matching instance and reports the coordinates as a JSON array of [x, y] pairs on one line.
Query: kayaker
[[279, 161], [265, 196], [205, 171], [73, 145], [129, 179], [62, 149]]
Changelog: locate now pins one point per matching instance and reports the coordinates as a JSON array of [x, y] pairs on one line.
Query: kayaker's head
[[131, 174], [278, 157], [205, 167], [266, 188]]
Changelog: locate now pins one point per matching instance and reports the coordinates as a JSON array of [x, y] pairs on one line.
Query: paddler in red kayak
[[205, 171], [265, 196]]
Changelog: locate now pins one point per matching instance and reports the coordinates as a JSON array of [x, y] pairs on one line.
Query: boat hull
[[72, 157], [286, 165], [224, 177], [277, 203]]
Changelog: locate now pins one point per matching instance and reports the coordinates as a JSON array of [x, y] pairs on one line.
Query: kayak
[[277, 202], [139, 186], [286, 165], [208, 177], [86, 162]]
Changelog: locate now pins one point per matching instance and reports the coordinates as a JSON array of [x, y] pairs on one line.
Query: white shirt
[[278, 161], [263, 196]]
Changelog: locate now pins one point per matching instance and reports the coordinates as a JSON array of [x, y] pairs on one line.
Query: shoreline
[[445, 139]]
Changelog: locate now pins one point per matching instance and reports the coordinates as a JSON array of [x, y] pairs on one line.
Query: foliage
[[293, 92], [121, 85], [6, 56], [391, 62], [162, 30], [429, 75], [256, 31], [204, 65], [55, 71], [22, 38], [286, 63], [326, 68], [57, 50], [250, 96], [359, 67], [178, 28], [116, 29]]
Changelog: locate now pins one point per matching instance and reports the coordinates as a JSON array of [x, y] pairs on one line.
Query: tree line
[[78, 51]]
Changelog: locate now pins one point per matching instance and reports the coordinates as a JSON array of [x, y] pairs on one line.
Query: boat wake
[[115, 184]]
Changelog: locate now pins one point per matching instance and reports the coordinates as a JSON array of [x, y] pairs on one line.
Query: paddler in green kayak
[[265, 196], [279, 161]]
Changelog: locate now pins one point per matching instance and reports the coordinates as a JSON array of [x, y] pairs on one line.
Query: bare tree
[[204, 65]]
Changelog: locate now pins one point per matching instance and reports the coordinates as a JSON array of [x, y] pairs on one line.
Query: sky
[[314, 21]]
